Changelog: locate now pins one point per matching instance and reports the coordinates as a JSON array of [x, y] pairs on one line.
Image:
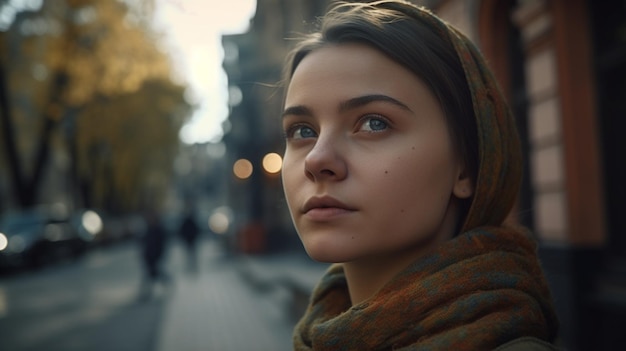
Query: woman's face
[[369, 168]]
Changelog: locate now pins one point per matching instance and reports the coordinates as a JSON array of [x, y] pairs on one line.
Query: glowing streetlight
[[242, 168], [272, 163]]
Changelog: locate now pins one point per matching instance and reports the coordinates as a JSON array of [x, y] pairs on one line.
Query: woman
[[401, 163]]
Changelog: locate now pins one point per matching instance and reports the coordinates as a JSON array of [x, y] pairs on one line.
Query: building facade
[[562, 65]]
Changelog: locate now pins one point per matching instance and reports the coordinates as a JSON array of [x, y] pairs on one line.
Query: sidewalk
[[235, 304]]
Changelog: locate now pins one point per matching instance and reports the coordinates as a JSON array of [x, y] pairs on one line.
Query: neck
[[366, 279]]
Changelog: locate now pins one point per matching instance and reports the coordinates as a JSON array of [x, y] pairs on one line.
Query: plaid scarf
[[475, 292]]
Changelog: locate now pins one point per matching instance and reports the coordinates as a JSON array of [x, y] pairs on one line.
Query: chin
[[328, 245], [322, 257], [327, 253]]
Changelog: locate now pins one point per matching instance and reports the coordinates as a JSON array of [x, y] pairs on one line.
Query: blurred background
[[140, 154]]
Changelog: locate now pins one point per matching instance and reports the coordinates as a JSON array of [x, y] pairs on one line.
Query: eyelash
[[370, 117], [291, 130]]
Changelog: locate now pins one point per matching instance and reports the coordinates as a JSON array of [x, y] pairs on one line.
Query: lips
[[324, 202]]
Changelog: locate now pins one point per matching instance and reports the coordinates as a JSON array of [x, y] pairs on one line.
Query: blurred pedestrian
[[189, 233], [402, 163], [153, 244]]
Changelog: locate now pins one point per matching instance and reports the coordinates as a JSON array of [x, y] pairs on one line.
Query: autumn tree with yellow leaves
[[87, 78]]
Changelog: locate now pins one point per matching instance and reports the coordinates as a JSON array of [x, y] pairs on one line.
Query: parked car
[[34, 238], [100, 228]]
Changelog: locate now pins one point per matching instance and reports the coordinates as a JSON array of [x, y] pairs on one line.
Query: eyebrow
[[353, 103], [298, 110], [367, 99]]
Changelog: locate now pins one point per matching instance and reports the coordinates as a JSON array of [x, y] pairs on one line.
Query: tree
[[127, 162], [65, 62]]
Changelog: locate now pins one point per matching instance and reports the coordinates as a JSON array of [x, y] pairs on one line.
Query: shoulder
[[527, 344]]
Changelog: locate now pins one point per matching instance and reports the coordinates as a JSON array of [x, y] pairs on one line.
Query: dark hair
[[399, 30]]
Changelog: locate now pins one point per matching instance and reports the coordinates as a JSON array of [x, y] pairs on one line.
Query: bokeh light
[[242, 168], [220, 219], [4, 242], [272, 163], [92, 222]]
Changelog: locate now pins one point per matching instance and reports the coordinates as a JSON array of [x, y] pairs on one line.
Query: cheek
[[413, 184], [286, 179], [290, 175]]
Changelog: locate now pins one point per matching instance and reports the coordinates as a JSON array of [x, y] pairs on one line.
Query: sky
[[9, 8], [193, 30]]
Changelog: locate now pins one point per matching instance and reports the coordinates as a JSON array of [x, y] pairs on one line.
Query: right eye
[[301, 132]]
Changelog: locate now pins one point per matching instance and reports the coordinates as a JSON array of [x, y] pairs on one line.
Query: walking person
[[189, 232], [402, 162], [153, 247]]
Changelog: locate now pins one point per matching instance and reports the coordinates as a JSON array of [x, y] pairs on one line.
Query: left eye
[[373, 124]]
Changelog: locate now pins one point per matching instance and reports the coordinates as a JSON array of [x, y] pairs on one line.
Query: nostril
[[325, 162]]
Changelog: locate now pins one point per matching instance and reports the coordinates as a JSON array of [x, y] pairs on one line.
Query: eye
[[373, 124], [300, 131]]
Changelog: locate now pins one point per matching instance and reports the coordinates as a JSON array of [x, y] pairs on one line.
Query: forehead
[[347, 70]]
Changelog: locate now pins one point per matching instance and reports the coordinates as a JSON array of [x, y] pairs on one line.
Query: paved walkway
[[233, 304]]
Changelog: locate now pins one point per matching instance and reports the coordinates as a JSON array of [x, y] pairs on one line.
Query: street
[[90, 304], [95, 304]]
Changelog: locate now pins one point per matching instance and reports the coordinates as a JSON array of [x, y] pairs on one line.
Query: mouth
[[325, 204]]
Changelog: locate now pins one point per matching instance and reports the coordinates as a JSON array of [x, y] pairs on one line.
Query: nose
[[325, 161]]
